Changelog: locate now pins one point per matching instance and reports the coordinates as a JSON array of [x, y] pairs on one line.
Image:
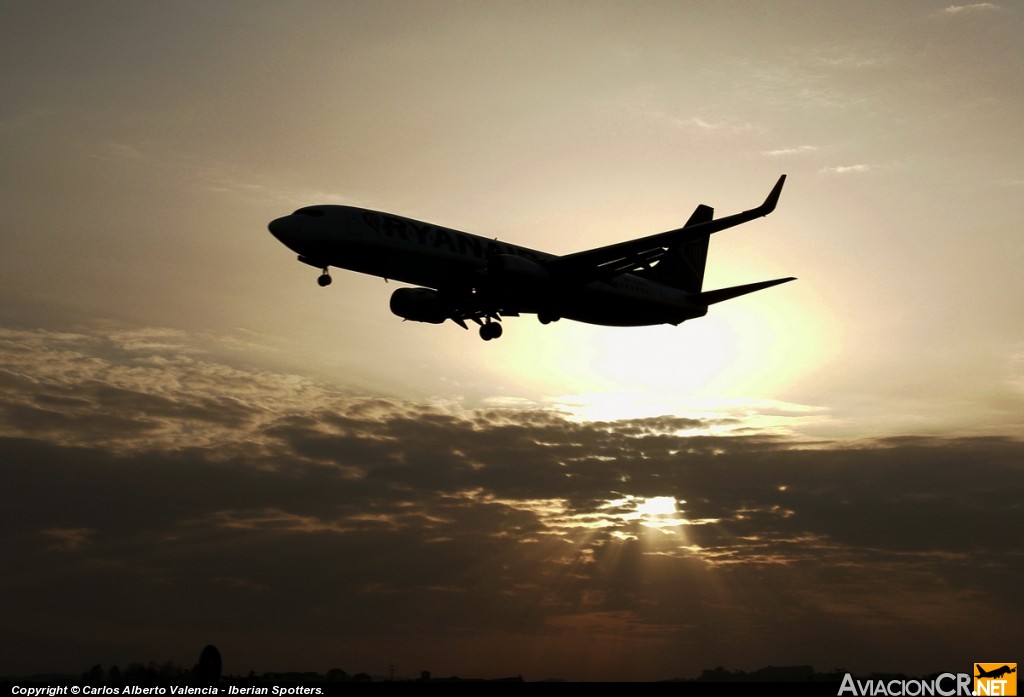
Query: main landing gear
[[325, 278], [490, 330]]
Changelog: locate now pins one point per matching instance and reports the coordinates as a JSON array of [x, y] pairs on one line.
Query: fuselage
[[447, 260]]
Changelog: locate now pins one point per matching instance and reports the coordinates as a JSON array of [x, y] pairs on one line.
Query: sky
[[199, 445]]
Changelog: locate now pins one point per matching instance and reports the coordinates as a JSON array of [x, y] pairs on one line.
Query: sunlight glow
[[657, 513], [720, 416], [658, 506], [716, 368], [619, 516]]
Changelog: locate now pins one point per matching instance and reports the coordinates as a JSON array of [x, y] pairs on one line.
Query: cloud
[[851, 60], [846, 169], [647, 107], [68, 539], [157, 497], [212, 175], [723, 125], [974, 7], [148, 389], [799, 150]]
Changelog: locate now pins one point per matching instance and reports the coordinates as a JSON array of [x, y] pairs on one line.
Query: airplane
[[462, 277], [994, 673]]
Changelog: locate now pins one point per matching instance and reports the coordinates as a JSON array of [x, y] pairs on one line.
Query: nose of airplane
[[279, 227]]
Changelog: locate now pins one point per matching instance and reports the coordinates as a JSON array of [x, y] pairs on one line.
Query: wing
[[616, 259]]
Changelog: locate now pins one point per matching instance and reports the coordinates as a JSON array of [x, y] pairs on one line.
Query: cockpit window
[[311, 212]]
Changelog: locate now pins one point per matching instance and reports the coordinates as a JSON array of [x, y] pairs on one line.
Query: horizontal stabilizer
[[716, 296]]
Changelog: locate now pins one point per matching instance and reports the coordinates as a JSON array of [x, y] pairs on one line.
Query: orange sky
[[848, 444]]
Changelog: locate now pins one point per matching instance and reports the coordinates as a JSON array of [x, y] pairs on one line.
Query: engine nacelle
[[510, 271], [419, 305]]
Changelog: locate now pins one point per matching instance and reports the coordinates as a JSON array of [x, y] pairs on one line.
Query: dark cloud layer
[[155, 500]]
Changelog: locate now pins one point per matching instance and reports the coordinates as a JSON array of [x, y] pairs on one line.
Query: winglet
[[773, 198]]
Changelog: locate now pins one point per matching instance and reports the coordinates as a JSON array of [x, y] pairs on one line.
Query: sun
[[657, 507], [624, 515], [743, 361]]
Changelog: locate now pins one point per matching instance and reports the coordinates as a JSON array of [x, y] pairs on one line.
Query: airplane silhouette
[[650, 280], [995, 672]]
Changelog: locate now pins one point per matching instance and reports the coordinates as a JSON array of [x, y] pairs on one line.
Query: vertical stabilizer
[[683, 265]]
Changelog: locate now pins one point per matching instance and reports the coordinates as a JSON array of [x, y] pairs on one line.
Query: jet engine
[[419, 305]]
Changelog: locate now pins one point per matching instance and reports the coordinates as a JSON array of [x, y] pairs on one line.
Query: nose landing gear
[[325, 278]]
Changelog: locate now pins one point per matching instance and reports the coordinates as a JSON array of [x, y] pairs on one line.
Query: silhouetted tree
[[337, 675], [93, 676], [138, 674], [171, 672], [208, 670]]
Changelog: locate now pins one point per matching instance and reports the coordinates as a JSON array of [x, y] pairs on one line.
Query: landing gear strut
[[491, 330], [325, 278]]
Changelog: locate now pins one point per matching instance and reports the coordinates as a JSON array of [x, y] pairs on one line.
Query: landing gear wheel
[[324, 280], [491, 330], [546, 318]]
